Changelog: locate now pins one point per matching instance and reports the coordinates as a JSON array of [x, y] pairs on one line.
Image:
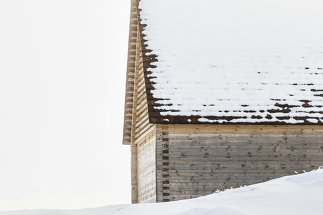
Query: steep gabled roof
[[230, 61]]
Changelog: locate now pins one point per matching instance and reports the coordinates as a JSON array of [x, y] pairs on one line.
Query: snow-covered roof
[[234, 61]]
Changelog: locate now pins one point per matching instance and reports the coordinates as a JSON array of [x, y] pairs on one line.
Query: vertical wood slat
[[165, 164]]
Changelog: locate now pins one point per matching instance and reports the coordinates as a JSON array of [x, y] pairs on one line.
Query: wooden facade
[[172, 161], [195, 160], [185, 161]]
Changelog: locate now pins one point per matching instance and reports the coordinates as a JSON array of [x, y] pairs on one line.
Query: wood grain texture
[[143, 140], [146, 165], [204, 158]]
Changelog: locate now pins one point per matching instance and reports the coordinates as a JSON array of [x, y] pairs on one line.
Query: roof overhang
[[128, 108]]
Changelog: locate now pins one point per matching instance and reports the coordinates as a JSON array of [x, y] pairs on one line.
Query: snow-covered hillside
[[300, 194]]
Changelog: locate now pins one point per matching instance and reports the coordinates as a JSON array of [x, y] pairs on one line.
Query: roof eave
[[128, 107]]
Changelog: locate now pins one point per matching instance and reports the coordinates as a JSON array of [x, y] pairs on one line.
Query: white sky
[[62, 78]]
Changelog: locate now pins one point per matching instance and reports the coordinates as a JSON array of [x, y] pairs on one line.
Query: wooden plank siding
[[146, 167], [195, 160], [143, 140]]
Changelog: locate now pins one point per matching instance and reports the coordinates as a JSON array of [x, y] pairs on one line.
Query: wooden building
[[221, 94]]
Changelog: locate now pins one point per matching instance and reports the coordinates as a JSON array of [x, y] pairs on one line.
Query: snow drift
[[291, 195]]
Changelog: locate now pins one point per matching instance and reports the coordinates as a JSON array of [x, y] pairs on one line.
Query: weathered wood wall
[[195, 160], [147, 168], [143, 139]]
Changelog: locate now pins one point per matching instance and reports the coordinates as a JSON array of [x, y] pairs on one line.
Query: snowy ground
[[300, 194]]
